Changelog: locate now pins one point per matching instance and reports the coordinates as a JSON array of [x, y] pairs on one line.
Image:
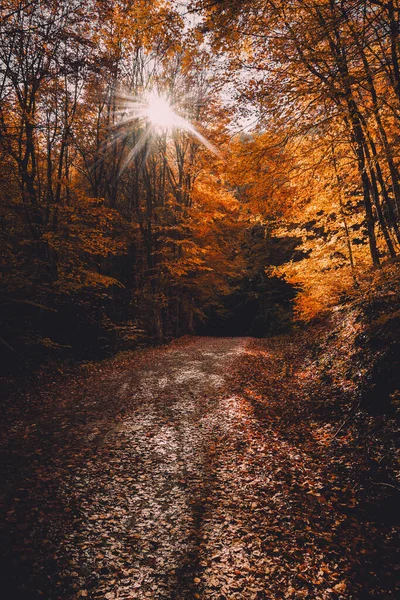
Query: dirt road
[[174, 474]]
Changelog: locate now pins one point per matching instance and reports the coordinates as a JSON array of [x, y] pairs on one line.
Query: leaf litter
[[200, 470]]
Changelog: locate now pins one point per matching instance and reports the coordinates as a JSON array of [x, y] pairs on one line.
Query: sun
[[160, 113], [155, 111]]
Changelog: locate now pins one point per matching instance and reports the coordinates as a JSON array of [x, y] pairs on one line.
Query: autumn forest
[[200, 232]]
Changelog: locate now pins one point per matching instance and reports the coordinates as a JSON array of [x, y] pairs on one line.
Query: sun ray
[[158, 111], [159, 118], [135, 150]]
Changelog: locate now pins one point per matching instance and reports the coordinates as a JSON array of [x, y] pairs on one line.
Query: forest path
[[183, 472]]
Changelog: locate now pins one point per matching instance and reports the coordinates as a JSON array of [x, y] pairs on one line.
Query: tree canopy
[[161, 162]]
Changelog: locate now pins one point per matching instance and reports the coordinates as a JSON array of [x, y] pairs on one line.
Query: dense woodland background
[[108, 243]]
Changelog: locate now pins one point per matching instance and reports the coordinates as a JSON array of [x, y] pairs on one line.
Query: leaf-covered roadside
[[212, 468], [338, 492]]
